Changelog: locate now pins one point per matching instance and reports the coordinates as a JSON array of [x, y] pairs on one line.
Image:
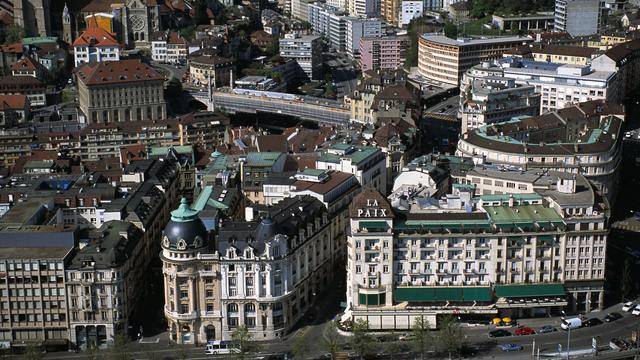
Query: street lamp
[[568, 331]]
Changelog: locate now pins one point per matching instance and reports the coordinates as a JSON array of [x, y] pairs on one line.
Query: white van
[[220, 347], [570, 324]]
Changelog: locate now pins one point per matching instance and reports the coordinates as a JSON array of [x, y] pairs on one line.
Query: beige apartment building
[[446, 60], [117, 91]]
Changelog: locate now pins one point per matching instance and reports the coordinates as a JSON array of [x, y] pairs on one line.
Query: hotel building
[[479, 251]]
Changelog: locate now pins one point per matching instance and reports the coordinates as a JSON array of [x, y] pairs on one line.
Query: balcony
[[177, 316]]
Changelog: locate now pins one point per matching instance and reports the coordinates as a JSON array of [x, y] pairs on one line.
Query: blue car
[[510, 347]]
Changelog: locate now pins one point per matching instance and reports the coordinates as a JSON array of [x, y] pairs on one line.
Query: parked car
[[612, 317], [636, 310], [546, 329], [406, 337], [499, 333], [525, 331], [510, 347], [592, 322], [628, 306]]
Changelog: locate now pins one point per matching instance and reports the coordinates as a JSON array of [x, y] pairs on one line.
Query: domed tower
[[185, 231], [189, 278]]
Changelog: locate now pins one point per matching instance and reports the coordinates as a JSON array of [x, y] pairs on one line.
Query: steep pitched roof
[[26, 63], [96, 36], [12, 102]]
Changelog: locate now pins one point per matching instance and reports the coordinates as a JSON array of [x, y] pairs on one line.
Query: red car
[[525, 331]]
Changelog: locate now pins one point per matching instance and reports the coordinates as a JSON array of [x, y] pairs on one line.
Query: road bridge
[[322, 111]]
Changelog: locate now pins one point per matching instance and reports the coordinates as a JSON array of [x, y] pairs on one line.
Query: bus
[[220, 347]]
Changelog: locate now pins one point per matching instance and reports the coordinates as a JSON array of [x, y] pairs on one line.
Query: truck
[[571, 324]]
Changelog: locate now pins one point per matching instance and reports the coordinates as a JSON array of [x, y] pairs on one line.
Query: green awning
[[373, 224], [434, 294], [530, 290], [546, 238], [371, 299]]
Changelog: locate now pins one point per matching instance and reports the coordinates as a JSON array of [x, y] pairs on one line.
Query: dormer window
[[248, 253], [231, 253]]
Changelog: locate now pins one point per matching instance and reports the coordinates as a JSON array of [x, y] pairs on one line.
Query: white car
[[636, 310], [628, 306]]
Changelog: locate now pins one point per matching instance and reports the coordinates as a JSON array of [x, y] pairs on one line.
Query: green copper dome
[[184, 212]]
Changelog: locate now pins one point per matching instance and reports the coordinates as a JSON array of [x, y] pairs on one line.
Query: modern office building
[[446, 60], [578, 17], [115, 91], [33, 305], [477, 253], [563, 85], [581, 139], [409, 10], [358, 28], [306, 51], [383, 53], [364, 8], [487, 97], [540, 21]]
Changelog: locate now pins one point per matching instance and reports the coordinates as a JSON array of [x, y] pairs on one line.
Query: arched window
[[232, 308], [249, 307], [141, 36]]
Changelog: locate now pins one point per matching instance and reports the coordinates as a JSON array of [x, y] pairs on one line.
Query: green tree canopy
[[422, 339]]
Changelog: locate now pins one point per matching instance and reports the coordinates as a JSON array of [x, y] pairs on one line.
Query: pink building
[[387, 52]]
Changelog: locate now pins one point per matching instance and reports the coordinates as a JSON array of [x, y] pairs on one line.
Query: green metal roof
[[433, 294], [164, 150], [530, 290], [374, 224], [521, 214], [184, 213], [38, 40], [265, 158], [505, 197], [204, 199], [359, 154]]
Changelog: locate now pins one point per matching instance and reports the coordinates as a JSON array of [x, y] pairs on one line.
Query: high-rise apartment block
[[306, 51], [383, 53], [578, 17]]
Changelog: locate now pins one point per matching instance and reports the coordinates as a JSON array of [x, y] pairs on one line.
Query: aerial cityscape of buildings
[[323, 178]]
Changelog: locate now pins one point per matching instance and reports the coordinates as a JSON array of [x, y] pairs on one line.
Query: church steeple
[[66, 25]]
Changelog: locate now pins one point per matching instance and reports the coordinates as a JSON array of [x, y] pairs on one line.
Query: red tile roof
[[12, 48], [111, 72], [27, 63], [95, 36], [12, 102]]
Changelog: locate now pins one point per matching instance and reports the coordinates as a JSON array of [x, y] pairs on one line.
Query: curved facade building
[[443, 59], [582, 139], [190, 278]]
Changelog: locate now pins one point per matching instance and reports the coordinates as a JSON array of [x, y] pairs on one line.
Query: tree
[[13, 34], [421, 336], [393, 347], [174, 88], [450, 337], [451, 30], [300, 347], [243, 341], [182, 352], [32, 352], [361, 340], [628, 287], [331, 339], [200, 7], [120, 348], [92, 351]]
